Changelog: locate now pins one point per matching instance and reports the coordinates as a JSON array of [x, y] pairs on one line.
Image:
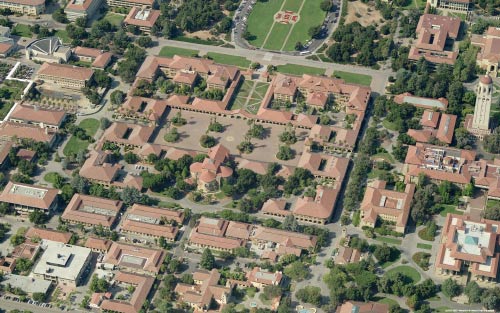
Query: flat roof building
[[27, 284], [28, 7], [81, 8], [62, 263], [92, 211], [27, 198], [421, 102], [130, 3], [65, 76], [452, 5], [136, 258], [469, 246], [143, 18], [388, 205], [50, 50], [259, 278]]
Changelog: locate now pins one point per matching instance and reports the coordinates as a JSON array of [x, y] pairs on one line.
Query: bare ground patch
[[363, 13]]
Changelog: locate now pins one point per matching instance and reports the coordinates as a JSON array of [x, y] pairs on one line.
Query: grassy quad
[[115, 19], [354, 78], [229, 59], [406, 270], [90, 125], [171, 51], [310, 15], [261, 19], [294, 69], [277, 37], [22, 30]]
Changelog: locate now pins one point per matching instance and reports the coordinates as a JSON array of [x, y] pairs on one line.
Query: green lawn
[[450, 209], [50, 177], [385, 155], [261, 19], [310, 15], [171, 51], [424, 246], [229, 59], [295, 69], [5, 107], [292, 5], [199, 41], [277, 37], [388, 301], [115, 19], [22, 30], [63, 35], [354, 78], [90, 125], [389, 263], [443, 309], [375, 172], [389, 125], [392, 241], [406, 270]]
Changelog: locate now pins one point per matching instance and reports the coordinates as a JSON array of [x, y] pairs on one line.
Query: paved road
[[266, 58], [12, 305]]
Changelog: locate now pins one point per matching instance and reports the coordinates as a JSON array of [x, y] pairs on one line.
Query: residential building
[[92, 211], [438, 164], [389, 205], [211, 233], [97, 58], [435, 126], [27, 284], [99, 168], [7, 265], [5, 147], [486, 174], [452, 5], [435, 39], [142, 287], [260, 278], [142, 109], [130, 3], [488, 57], [205, 290], [469, 247], [347, 255], [27, 250], [65, 76], [98, 244], [81, 8], [209, 173], [26, 198], [363, 307], [27, 7], [32, 115], [152, 222], [318, 209], [421, 102], [479, 123], [62, 263], [128, 135], [284, 242], [142, 18], [135, 258], [37, 234], [10, 131], [50, 50]]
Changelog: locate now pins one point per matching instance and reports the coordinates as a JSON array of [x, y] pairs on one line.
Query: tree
[[207, 141], [326, 5], [207, 260], [105, 123], [98, 284], [117, 97], [60, 16], [130, 157], [256, 131], [491, 299], [309, 294], [297, 271], [285, 153], [383, 253], [144, 41], [474, 292], [80, 184], [85, 302], [131, 195], [299, 46], [17, 239], [288, 136], [172, 135], [215, 127], [23, 264], [451, 288], [38, 217], [290, 224], [272, 291], [315, 32], [39, 296]]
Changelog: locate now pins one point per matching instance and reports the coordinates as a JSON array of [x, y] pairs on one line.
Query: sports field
[[269, 34]]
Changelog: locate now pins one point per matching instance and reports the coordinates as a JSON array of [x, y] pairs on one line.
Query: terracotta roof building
[[152, 222], [435, 125], [92, 211], [388, 205], [5, 147], [438, 164], [324, 165], [318, 209], [205, 290], [135, 258], [363, 307], [7, 265], [284, 242], [142, 287], [27, 114], [347, 255], [142, 109], [434, 34], [27, 198], [98, 58], [98, 244], [469, 245], [97, 168], [142, 18], [66, 76], [488, 57], [28, 7], [128, 135], [211, 233], [10, 130], [27, 250], [81, 8], [209, 173], [36, 233], [259, 278], [453, 5]]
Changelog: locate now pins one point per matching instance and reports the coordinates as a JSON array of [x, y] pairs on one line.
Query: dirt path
[[272, 26], [291, 28]]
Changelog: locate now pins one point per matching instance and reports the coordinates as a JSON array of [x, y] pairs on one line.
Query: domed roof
[[486, 79]]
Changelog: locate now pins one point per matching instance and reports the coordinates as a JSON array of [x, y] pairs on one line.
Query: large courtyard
[[279, 24]]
